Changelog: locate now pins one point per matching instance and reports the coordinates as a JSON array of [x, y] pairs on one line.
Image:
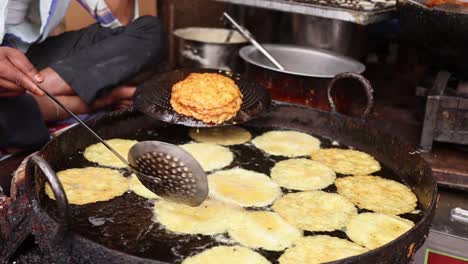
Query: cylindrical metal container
[[208, 48], [307, 75], [334, 35], [268, 26]]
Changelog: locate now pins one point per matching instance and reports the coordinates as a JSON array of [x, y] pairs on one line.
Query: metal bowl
[[302, 61], [307, 75], [201, 47]]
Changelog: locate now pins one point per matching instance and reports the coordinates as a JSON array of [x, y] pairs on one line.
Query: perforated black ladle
[[165, 169]]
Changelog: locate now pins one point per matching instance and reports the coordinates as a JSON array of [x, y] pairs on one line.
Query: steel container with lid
[[201, 47], [306, 77]]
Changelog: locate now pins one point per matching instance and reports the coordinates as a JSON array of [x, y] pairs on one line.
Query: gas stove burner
[[446, 116]]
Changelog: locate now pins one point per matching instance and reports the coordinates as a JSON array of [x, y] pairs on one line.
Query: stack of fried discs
[[209, 97]]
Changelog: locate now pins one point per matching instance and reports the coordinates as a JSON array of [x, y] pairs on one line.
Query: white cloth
[[42, 17], [17, 11]]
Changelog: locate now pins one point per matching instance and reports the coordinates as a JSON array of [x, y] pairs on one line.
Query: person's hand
[[17, 74]]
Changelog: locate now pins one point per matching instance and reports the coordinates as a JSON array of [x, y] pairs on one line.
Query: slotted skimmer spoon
[[165, 169]]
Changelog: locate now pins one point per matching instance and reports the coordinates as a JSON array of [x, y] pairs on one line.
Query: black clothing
[[91, 61]]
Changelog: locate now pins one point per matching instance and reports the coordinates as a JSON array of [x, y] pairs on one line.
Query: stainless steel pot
[[268, 26], [208, 48], [339, 36], [307, 75]]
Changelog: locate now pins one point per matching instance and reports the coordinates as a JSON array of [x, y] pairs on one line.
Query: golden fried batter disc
[[90, 185], [243, 187], [320, 249], [210, 156], [373, 230], [302, 174], [227, 255], [216, 116], [210, 97], [210, 218], [347, 161], [315, 210], [377, 194], [262, 229], [101, 155], [287, 143], [137, 187], [225, 136], [205, 91]]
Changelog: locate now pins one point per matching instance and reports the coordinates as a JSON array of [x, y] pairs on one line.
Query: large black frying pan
[[122, 230], [440, 34]]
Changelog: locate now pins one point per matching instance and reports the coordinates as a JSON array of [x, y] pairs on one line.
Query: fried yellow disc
[[205, 91], [210, 97], [225, 136], [137, 187], [90, 185], [286, 143], [377, 194], [210, 156], [210, 218], [101, 155], [262, 229], [243, 188], [315, 210], [302, 174], [320, 249], [216, 116], [347, 161], [373, 230], [227, 255]]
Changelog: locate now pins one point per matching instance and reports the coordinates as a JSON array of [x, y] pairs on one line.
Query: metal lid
[[302, 61]]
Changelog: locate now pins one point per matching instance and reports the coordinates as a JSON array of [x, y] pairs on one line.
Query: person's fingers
[[20, 79], [123, 104], [123, 92], [22, 63], [9, 86], [127, 102], [6, 93]]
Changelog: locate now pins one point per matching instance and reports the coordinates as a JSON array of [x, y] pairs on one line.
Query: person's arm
[[123, 10], [111, 13]]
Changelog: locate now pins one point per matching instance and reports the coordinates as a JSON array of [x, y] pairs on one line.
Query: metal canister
[[209, 48], [334, 35]]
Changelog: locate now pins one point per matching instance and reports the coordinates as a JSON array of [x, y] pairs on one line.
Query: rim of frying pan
[[428, 213], [153, 98]]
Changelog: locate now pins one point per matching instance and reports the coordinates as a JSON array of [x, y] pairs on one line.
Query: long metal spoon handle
[[249, 37], [229, 36], [85, 126]]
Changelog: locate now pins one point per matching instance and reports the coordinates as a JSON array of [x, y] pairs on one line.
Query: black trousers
[[91, 61]]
